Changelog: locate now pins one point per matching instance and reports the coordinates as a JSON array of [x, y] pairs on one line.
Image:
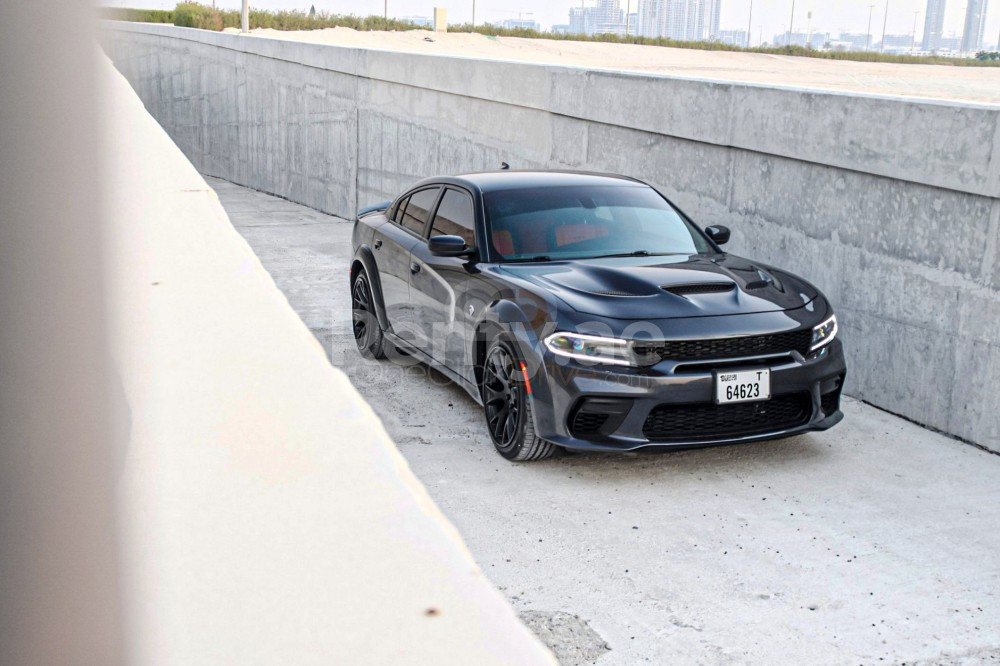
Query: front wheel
[[508, 406]]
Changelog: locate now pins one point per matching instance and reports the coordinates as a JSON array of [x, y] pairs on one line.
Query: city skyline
[[770, 17]]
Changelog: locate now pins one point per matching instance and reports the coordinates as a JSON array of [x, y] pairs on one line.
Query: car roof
[[493, 181]]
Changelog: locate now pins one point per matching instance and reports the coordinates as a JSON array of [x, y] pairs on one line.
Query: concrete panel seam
[[990, 251], [993, 172]]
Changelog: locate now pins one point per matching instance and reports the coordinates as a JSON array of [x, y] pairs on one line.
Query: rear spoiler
[[377, 208]]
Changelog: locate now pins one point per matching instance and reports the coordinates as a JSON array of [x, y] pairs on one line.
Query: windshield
[[586, 222]]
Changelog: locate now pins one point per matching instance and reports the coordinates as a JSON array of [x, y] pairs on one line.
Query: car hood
[[667, 287]]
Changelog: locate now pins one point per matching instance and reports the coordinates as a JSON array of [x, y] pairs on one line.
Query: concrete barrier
[[890, 205], [265, 515]]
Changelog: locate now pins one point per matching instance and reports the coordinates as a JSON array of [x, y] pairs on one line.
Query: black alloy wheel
[[507, 404], [367, 332], [502, 398]]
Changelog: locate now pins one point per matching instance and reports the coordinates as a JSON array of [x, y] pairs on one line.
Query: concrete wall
[[889, 205], [265, 515]]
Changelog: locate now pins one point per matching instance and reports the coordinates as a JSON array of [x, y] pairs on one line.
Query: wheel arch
[[363, 258], [504, 316]]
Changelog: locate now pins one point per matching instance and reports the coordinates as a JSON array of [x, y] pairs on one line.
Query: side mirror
[[718, 233], [449, 246]]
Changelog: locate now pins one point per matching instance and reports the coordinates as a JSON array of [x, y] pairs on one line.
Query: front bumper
[[671, 404]]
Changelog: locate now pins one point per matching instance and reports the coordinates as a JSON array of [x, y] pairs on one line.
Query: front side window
[[417, 209], [581, 222], [455, 217]]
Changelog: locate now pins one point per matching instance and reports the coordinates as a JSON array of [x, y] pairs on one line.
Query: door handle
[[378, 243], [414, 268]]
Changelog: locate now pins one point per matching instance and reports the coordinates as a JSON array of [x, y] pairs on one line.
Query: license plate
[[742, 385]]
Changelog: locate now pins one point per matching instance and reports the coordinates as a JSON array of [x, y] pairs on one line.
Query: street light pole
[[245, 17], [881, 47], [386, 10], [868, 43], [791, 26], [750, 24], [473, 13], [628, 10], [913, 44]]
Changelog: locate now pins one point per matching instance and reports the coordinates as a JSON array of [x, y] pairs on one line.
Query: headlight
[[824, 333], [596, 349]]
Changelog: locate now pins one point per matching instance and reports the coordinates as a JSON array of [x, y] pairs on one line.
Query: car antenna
[[504, 166]]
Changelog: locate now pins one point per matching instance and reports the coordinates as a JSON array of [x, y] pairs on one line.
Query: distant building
[[950, 43], [734, 37], [855, 41], [896, 44], [604, 17], [683, 20], [515, 24], [975, 25], [561, 29], [933, 25], [651, 18], [580, 21], [814, 40]]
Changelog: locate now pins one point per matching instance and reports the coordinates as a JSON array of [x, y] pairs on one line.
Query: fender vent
[[709, 288]]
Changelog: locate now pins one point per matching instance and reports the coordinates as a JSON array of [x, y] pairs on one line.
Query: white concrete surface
[[968, 84], [875, 542], [890, 205], [266, 517]]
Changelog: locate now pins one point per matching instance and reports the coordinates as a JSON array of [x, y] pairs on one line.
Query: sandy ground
[[874, 542], [975, 84]]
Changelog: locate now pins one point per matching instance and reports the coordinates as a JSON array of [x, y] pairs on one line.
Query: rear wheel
[[367, 332], [508, 406]]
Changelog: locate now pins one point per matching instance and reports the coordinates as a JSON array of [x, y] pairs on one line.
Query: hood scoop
[[612, 292], [670, 287], [699, 288]]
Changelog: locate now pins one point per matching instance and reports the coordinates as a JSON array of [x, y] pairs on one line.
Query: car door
[[391, 245], [438, 284]]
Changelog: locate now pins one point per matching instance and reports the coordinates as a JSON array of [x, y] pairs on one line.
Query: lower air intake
[[708, 421]]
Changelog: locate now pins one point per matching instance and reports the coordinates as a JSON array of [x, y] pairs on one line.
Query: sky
[[770, 17]]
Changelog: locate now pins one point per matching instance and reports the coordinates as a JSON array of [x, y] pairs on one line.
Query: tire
[[367, 331], [507, 406]]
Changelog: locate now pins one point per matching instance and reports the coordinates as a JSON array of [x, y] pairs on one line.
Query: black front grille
[[588, 423], [687, 289], [755, 345], [708, 421]]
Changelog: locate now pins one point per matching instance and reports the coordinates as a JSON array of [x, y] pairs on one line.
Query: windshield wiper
[[541, 257], [637, 253]]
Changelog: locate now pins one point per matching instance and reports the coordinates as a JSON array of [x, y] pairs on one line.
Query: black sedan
[[586, 311]]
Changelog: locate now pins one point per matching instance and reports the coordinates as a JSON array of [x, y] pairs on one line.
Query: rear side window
[[417, 210], [397, 215], [455, 217]]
